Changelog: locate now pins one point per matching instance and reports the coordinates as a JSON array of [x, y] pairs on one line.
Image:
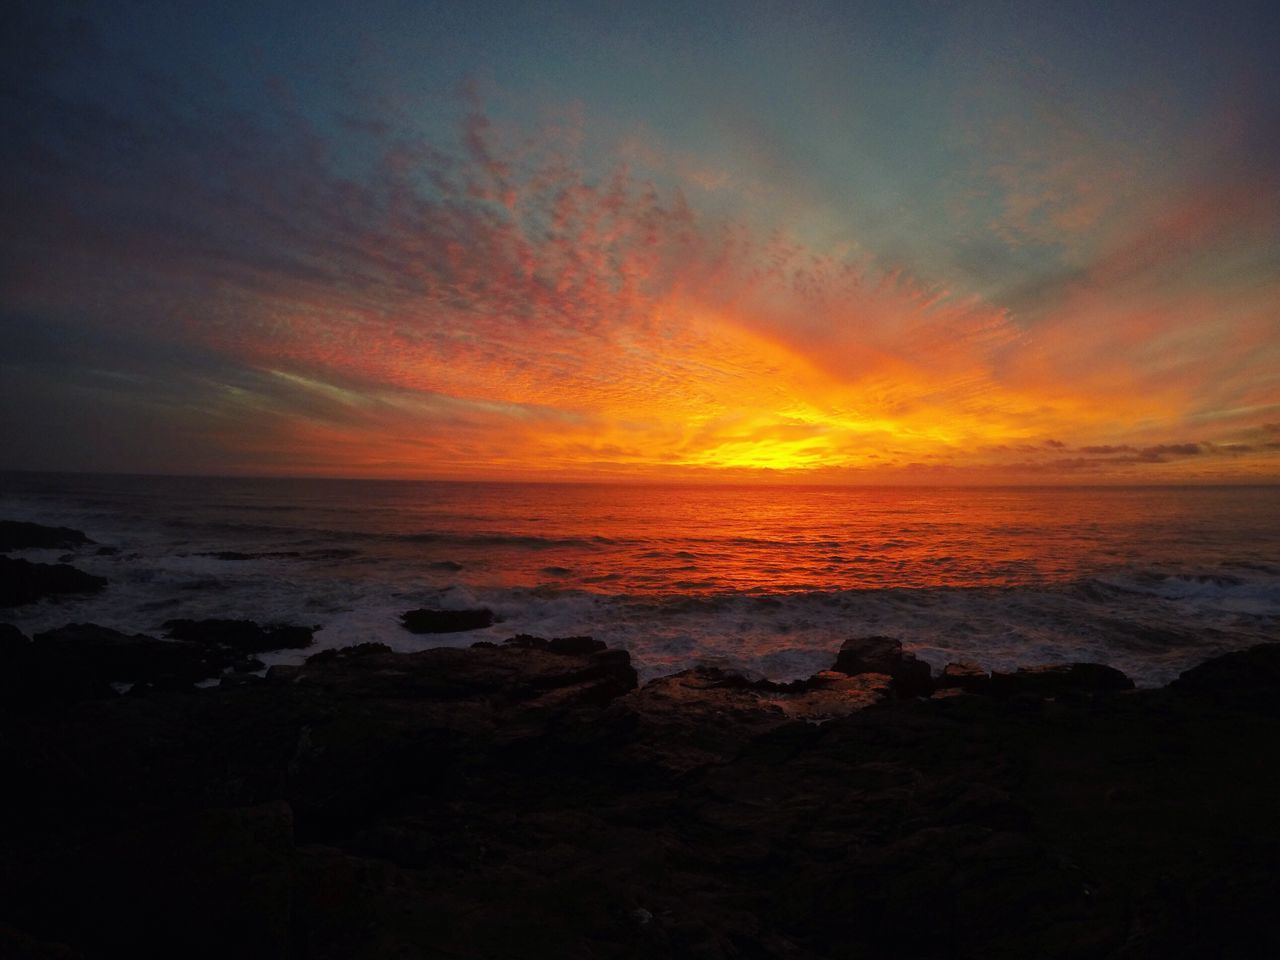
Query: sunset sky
[[846, 242]]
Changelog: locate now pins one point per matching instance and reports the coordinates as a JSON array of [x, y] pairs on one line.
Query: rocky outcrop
[[242, 636], [911, 676], [514, 672], [30, 678], [83, 661], [525, 799], [446, 621], [24, 582], [19, 535], [1235, 674], [964, 677], [706, 715], [1058, 679], [124, 658]]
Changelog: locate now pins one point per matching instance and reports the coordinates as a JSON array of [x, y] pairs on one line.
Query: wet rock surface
[[243, 636], [1058, 679], [1253, 673], [526, 799], [122, 658], [446, 621], [965, 677], [22, 581], [20, 535], [911, 676], [82, 661]]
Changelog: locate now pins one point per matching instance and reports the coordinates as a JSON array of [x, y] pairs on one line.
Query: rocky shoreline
[[529, 799]]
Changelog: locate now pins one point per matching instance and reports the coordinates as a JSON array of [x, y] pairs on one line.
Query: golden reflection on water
[[764, 539]]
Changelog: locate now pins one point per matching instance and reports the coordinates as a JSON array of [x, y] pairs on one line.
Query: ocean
[[768, 580]]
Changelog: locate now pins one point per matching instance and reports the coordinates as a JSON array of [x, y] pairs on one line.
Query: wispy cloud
[[354, 295]]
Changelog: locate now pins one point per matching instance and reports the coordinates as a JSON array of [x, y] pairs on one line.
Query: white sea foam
[[715, 584]]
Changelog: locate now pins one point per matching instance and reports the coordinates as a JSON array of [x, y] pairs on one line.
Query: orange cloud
[[511, 311]]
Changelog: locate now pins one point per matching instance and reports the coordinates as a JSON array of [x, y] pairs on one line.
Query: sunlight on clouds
[[516, 308]]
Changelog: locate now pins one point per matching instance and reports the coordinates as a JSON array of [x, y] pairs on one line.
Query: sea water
[[767, 579]]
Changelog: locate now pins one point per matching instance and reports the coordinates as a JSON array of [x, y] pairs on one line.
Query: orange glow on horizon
[[560, 327], [722, 400]]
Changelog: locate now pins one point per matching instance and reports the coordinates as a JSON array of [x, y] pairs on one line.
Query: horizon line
[[914, 483]]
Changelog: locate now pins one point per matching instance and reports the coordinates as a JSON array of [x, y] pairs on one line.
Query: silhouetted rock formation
[[244, 636], [20, 535], [1251, 676], [911, 676], [1058, 679], [446, 621], [84, 661], [22, 581], [526, 799], [968, 677]]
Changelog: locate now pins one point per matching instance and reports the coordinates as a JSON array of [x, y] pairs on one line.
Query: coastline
[[528, 800], [531, 799]]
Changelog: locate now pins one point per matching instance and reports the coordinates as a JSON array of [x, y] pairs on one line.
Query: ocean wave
[[1252, 590], [715, 581], [1147, 624], [526, 541]]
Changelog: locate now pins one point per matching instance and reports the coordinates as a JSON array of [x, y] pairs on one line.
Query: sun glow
[[510, 306]]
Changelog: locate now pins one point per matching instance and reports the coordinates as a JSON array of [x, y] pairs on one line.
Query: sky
[[818, 242]]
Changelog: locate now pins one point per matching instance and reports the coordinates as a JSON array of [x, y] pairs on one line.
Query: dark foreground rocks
[[446, 621], [82, 661], [243, 636], [910, 675], [20, 535], [22, 581], [527, 800]]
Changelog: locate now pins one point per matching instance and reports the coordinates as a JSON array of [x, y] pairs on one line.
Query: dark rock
[[694, 718], [508, 673], [15, 944], [968, 677], [244, 636], [19, 535], [229, 880], [1057, 679], [31, 678], [977, 886], [107, 552], [1242, 673], [407, 714], [372, 805], [117, 657], [81, 661], [284, 673], [201, 883], [575, 646], [234, 679], [831, 694], [11, 638], [572, 646], [707, 715], [348, 653], [446, 621], [24, 582], [911, 676], [15, 655]]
